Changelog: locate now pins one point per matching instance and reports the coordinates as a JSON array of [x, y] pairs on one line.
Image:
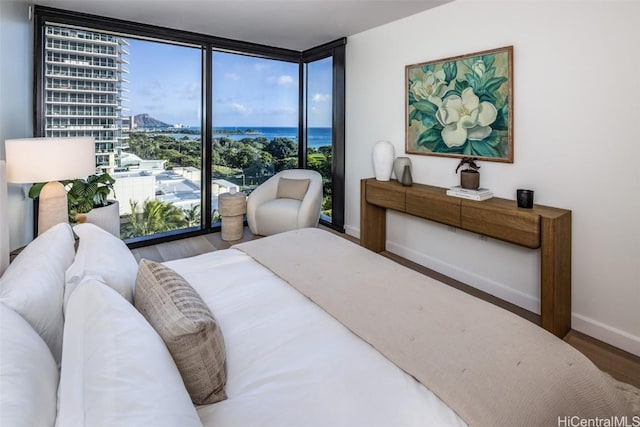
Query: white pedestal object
[[106, 217], [232, 207], [383, 155]]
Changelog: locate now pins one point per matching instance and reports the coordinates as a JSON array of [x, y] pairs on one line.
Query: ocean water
[[317, 137]]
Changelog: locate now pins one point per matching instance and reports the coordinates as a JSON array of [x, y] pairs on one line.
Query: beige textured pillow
[[292, 188], [188, 328]]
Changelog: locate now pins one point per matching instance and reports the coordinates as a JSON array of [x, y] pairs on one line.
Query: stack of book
[[479, 194]]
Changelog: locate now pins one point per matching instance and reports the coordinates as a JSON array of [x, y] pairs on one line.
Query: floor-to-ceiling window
[[324, 125], [179, 118], [319, 130], [255, 121]]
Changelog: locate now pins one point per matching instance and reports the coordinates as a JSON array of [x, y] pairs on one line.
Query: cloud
[[321, 97], [284, 80], [259, 66], [239, 108], [231, 76]]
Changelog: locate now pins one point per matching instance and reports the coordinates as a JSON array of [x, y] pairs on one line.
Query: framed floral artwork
[[462, 106]]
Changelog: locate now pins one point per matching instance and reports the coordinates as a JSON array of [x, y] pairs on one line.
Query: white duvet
[[291, 364]]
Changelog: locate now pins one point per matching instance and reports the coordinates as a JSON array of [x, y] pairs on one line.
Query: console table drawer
[[433, 204], [386, 194], [490, 219]]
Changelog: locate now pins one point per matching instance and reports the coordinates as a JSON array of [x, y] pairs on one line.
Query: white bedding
[[292, 364]]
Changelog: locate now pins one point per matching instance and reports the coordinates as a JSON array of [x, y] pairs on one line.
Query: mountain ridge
[[145, 121]]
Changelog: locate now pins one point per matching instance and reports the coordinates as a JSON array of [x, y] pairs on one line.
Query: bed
[[317, 331]]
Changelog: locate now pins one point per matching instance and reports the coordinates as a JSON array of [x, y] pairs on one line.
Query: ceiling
[[290, 24]]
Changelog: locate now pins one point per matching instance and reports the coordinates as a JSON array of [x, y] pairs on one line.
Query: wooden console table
[[542, 227]]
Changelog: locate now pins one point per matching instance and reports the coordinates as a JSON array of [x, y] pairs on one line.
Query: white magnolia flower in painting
[[478, 67], [431, 88], [465, 117]]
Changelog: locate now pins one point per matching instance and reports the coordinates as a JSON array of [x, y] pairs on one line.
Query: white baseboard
[[484, 284], [352, 231], [617, 338]]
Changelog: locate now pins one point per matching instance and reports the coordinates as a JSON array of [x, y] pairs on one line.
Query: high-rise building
[[84, 86]]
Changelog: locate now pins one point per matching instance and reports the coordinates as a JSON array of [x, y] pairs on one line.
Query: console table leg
[[555, 258], [373, 223]]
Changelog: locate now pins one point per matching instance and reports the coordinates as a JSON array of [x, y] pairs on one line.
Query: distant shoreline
[[317, 136]]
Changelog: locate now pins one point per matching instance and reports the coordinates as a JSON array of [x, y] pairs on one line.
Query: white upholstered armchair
[[289, 200]]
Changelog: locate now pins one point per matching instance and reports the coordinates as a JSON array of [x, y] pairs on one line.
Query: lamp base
[[52, 206]]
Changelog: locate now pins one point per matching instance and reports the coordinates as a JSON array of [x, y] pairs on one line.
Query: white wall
[[576, 93], [16, 105]]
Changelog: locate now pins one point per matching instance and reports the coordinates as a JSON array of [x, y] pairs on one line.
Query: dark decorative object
[[402, 170], [407, 179], [525, 199], [469, 177]]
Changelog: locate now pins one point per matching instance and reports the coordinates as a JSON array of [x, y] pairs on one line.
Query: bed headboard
[[4, 222]]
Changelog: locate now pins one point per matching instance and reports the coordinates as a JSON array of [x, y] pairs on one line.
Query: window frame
[[46, 15]]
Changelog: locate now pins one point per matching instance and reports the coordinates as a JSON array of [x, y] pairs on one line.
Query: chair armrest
[[263, 193], [309, 212]]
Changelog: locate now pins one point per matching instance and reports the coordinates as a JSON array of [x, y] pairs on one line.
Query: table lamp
[[31, 160]]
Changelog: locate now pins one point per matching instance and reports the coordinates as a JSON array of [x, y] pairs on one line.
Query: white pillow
[[101, 255], [116, 371], [28, 374], [33, 285]]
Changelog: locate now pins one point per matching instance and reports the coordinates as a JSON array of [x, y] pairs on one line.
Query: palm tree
[[192, 215], [156, 216]]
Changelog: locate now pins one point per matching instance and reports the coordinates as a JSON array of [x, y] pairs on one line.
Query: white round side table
[[232, 208]]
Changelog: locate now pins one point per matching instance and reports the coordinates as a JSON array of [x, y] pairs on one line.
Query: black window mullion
[[338, 150], [302, 116], [206, 135]]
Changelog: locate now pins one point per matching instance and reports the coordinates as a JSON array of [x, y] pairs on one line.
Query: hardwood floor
[[621, 365], [187, 247]]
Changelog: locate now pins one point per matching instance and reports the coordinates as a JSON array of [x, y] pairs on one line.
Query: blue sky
[[165, 82]]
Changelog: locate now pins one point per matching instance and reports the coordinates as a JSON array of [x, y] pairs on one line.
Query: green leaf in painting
[[488, 75], [426, 107], [461, 85], [488, 147], [414, 115], [428, 67], [486, 97], [441, 147], [450, 70], [429, 138], [495, 83], [411, 98], [428, 120], [488, 60], [473, 80], [502, 119], [467, 62]]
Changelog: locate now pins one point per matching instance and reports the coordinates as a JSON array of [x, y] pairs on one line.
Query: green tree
[[155, 216], [142, 146], [193, 215], [281, 148]]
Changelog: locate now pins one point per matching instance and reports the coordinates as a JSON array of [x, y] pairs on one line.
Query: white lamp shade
[[32, 160]]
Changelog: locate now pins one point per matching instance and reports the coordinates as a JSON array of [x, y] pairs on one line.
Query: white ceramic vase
[[106, 217], [383, 155]]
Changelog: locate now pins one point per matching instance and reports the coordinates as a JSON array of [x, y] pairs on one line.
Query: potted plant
[[469, 177], [87, 201]]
